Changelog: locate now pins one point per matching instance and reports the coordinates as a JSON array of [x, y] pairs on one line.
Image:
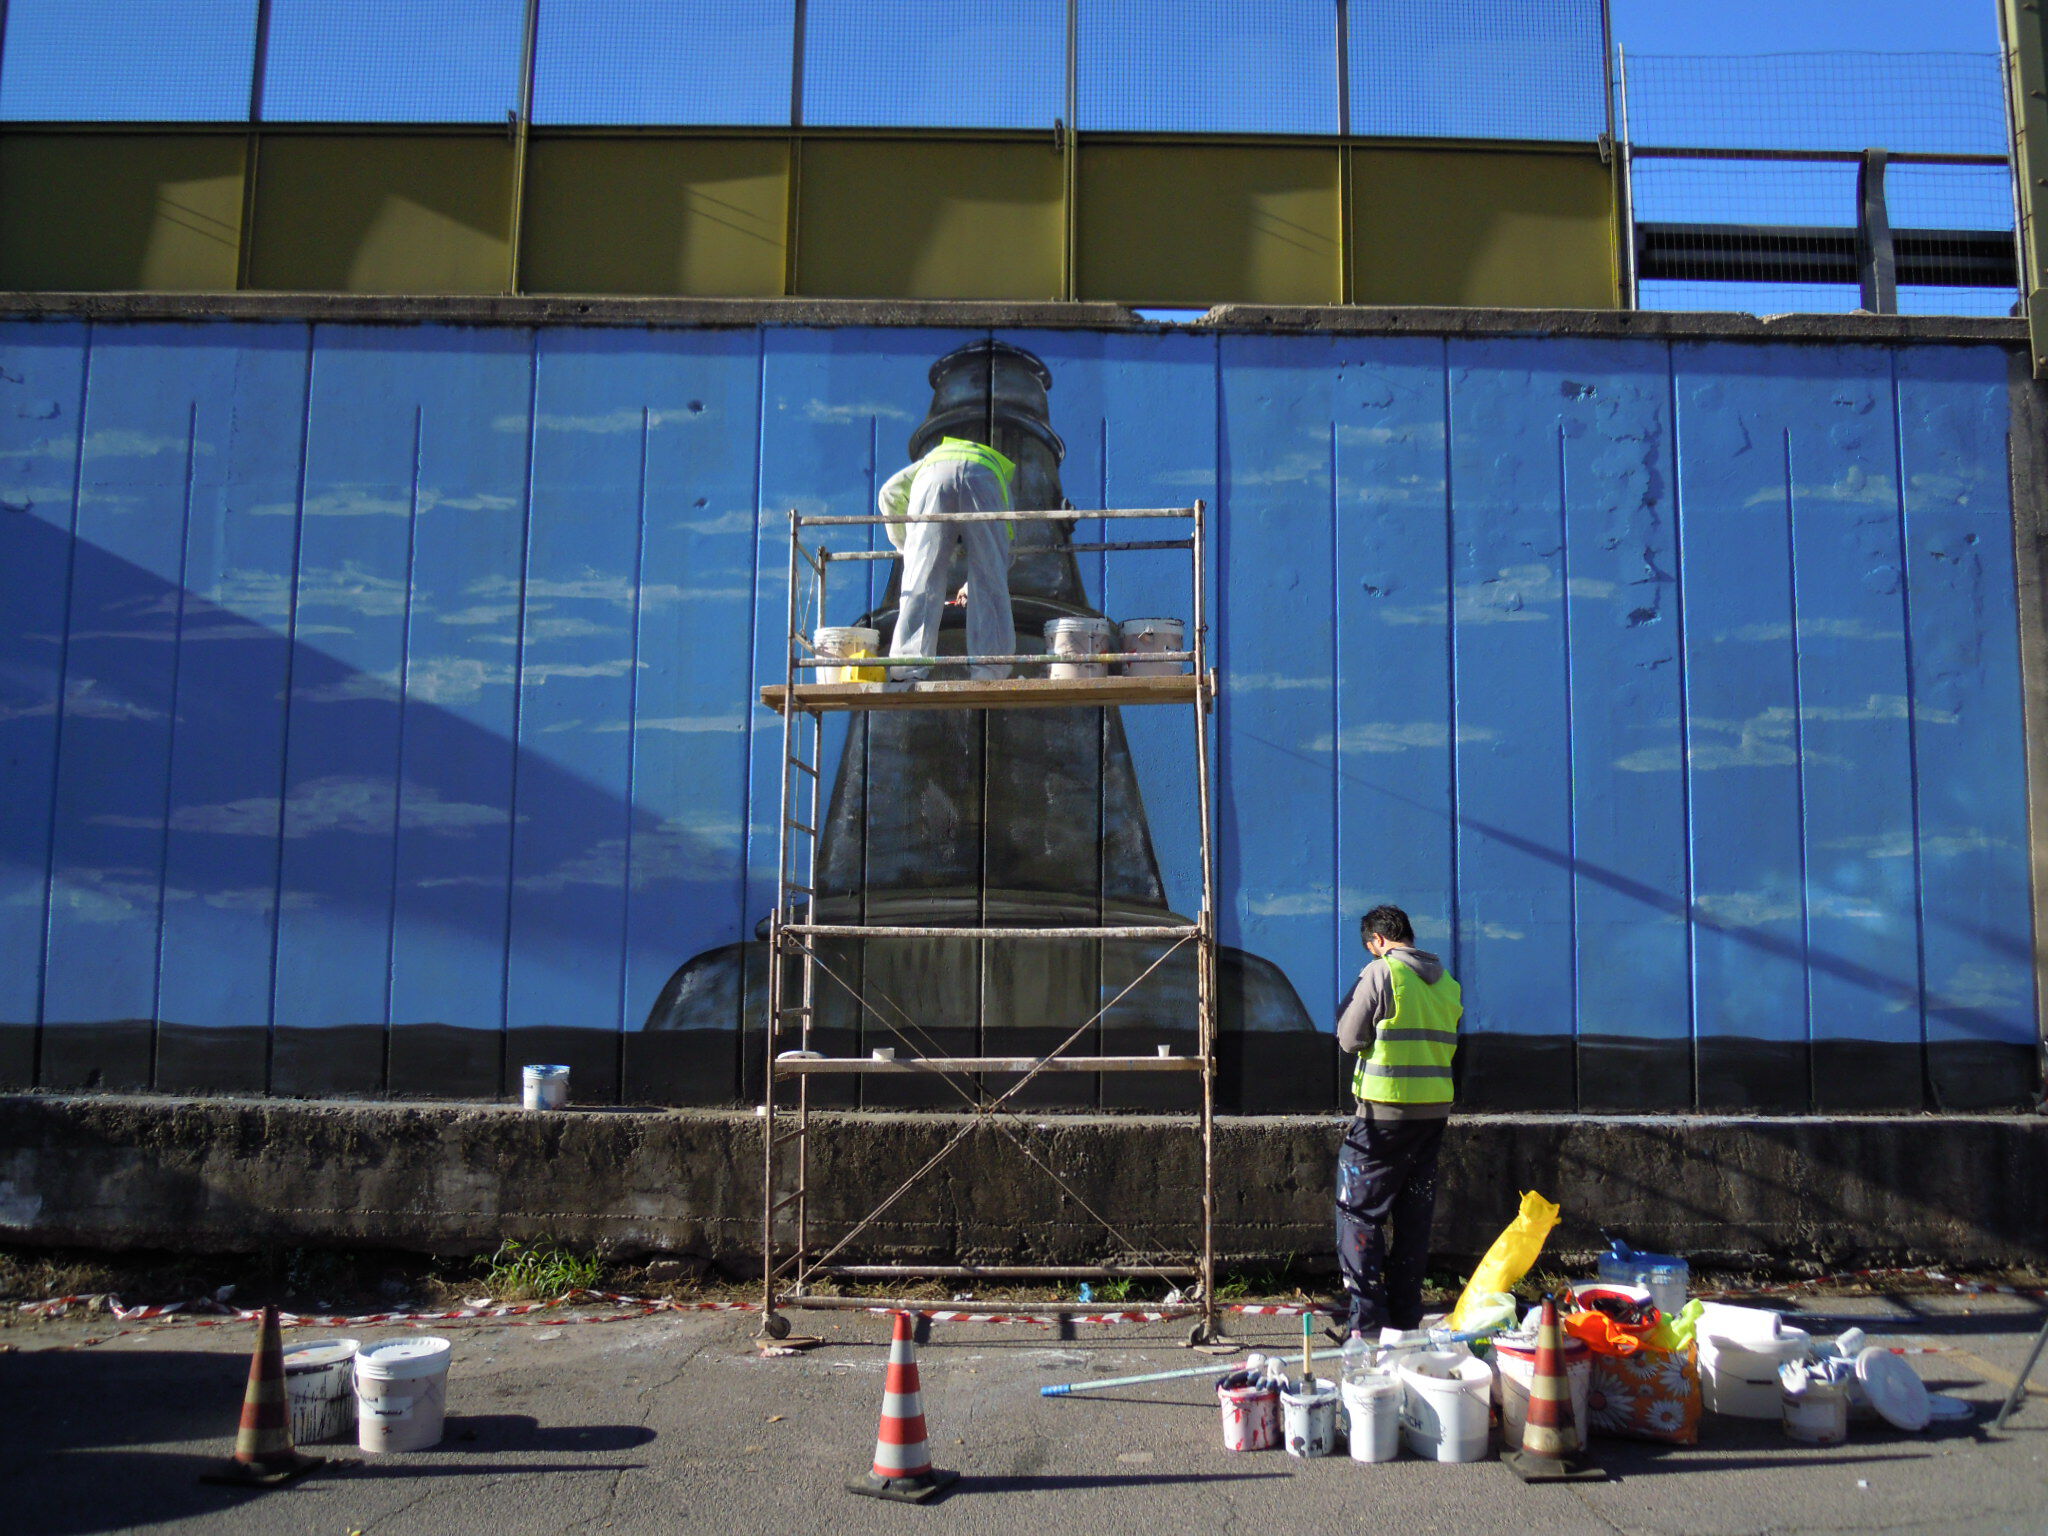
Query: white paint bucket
[[1740, 1379], [319, 1387], [1308, 1419], [1819, 1415], [1517, 1365], [1446, 1405], [1373, 1405], [401, 1394], [1251, 1418], [544, 1087], [849, 641], [1141, 635], [1080, 637]]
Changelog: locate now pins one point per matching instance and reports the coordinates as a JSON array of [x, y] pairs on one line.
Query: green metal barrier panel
[[700, 217], [119, 211], [384, 213]]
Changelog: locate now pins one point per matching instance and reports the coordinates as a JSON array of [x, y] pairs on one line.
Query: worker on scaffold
[[955, 476], [1402, 1020]]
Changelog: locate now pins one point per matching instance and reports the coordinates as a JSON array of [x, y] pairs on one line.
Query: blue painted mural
[[377, 701]]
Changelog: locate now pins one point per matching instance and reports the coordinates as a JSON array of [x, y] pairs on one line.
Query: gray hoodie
[[1371, 1004]]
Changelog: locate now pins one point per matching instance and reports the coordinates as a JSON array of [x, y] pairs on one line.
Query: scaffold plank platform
[[828, 1066], [1001, 693]]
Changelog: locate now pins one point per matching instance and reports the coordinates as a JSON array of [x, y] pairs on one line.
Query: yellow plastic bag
[[1511, 1257]]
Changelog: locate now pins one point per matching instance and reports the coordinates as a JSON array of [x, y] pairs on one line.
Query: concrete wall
[[377, 693], [236, 1175]]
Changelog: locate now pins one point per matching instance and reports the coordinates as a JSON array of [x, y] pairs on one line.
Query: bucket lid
[[829, 632], [1894, 1388], [539, 1070], [1152, 623], [317, 1354], [1084, 626], [394, 1358], [1944, 1409]]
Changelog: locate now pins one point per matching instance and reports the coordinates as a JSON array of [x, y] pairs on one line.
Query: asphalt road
[[673, 1423]]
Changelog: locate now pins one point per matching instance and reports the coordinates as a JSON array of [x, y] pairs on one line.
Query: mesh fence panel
[[1926, 103], [393, 61], [1148, 66], [1481, 69], [927, 64], [713, 62], [112, 61], [1817, 298]]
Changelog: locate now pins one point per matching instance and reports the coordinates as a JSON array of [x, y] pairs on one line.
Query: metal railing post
[[1877, 268]]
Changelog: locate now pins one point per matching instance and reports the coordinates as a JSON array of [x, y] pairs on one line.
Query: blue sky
[[1790, 26]]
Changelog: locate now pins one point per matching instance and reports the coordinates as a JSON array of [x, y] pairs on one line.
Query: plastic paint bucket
[[849, 641], [319, 1386], [1079, 637], [1445, 1405], [1517, 1362], [1740, 1379], [1374, 1407], [401, 1394], [1819, 1415], [1251, 1418], [1308, 1419], [544, 1087], [1140, 635]]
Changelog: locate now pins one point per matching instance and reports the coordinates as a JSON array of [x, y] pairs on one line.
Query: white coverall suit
[[955, 476]]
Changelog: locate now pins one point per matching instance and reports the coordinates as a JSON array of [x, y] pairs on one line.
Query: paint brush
[[1308, 1352]]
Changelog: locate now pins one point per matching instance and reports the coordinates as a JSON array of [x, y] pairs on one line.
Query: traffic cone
[[1553, 1442], [264, 1453], [903, 1461]]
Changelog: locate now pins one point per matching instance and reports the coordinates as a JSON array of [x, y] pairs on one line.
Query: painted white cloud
[[824, 411], [84, 699], [1748, 909], [1275, 682], [686, 725], [1393, 736], [336, 803], [1291, 904], [1767, 739], [119, 443]]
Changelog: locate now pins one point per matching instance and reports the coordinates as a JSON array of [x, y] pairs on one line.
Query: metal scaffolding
[[793, 1258]]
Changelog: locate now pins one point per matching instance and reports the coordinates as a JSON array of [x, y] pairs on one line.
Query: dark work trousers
[[1386, 1171]]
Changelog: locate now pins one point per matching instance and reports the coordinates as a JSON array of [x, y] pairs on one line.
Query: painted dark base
[[114, 1057], [591, 1055], [826, 1092], [1048, 1090], [318, 1063], [1618, 1075], [233, 1058], [1533, 1073], [442, 1061], [1853, 1075], [689, 1066], [1276, 1072], [904, 1091], [1767, 1076], [17, 1056], [1976, 1075], [1177, 1091]]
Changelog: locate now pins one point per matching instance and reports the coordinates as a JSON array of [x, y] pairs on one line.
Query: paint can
[[1080, 637], [1308, 1419], [1373, 1404], [1251, 1415], [1445, 1405], [319, 1387], [1141, 635], [544, 1087], [850, 641], [1516, 1361], [401, 1394], [1818, 1415]]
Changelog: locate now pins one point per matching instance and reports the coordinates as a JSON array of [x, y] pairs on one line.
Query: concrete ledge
[[677, 314], [243, 1174]]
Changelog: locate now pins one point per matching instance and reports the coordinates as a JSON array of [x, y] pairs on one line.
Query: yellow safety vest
[[1410, 1061]]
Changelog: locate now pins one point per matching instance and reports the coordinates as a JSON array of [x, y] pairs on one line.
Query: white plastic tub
[[1739, 1376], [1373, 1405], [544, 1087], [401, 1394], [851, 641], [1143, 635], [1080, 637], [1445, 1405], [1308, 1419]]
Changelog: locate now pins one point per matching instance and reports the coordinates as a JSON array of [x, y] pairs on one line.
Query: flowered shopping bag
[[1652, 1394]]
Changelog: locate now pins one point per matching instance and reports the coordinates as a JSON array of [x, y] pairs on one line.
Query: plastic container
[[319, 1387], [1445, 1405], [401, 1394], [1741, 1349], [1080, 637], [1818, 1414], [1251, 1416], [1141, 635], [1372, 1403], [850, 641], [1515, 1359], [544, 1087], [1894, 1389], [1308, 1419], [1665, 1275]]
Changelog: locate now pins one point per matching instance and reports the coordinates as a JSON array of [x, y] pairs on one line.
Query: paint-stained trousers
[[1386, 1172], [928, 552]]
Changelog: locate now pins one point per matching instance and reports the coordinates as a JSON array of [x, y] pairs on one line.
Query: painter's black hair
[[1389, 923]]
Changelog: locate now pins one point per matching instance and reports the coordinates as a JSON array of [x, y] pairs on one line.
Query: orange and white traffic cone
[[264, 1453], [1553, 1441], [903, 1460]]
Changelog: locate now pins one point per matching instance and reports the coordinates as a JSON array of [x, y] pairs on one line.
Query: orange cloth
[[1601, 1333]]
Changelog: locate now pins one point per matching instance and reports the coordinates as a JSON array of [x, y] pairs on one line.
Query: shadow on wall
[[174, 870]]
